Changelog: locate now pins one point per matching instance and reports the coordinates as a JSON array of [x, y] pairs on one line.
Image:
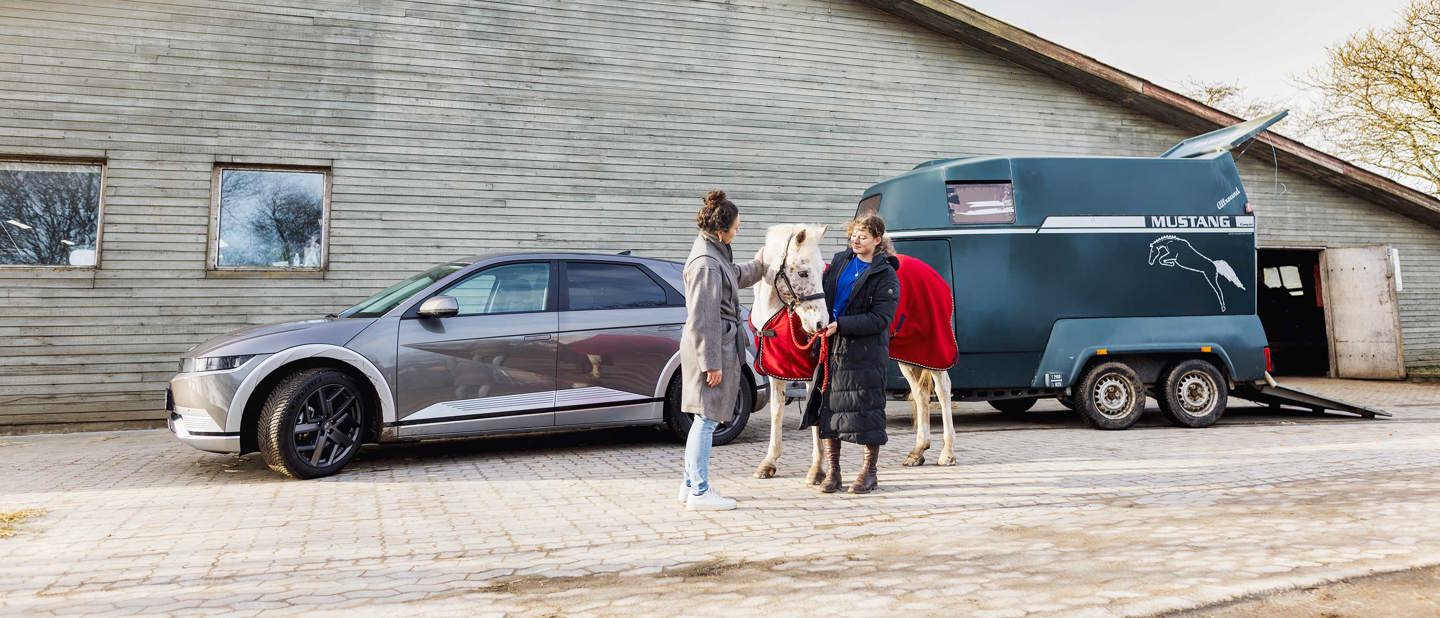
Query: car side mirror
[[439, 307]]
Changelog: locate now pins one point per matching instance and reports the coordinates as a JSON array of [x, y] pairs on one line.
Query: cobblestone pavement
[[1042, 516]]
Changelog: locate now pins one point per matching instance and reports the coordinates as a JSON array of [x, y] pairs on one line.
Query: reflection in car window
[[972, 204], [611, 286], [511, 288], [385, 300]]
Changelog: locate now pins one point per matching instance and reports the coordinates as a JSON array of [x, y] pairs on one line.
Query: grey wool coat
[[712, 338]]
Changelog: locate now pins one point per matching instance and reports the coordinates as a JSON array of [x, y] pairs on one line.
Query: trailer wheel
[[1013, 407], [1192, 394], [1111, 396]]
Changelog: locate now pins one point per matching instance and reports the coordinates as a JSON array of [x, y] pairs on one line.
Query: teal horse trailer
[[1096, 280]]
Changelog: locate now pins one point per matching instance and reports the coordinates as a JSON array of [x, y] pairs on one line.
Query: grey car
[[493, 344]]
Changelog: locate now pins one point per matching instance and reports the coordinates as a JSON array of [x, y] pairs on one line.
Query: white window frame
[[212, 258], [99, 208]]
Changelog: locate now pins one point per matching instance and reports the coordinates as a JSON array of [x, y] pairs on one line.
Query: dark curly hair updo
[[718, 213]]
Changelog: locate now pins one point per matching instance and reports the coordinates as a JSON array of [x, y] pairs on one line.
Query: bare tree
[[1229, 97], [268, 217], [1381, 96]]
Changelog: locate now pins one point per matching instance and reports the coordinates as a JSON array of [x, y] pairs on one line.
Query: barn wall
[[453, 128]]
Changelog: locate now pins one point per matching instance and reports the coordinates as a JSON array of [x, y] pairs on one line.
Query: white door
[[1362, 313]]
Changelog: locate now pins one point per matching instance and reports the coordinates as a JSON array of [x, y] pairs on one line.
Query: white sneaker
[[684, 492], [711, 500]]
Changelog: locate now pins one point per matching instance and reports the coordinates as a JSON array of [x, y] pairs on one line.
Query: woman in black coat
[[862, 291]]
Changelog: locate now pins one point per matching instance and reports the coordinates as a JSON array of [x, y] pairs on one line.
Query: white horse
[[793, 280]]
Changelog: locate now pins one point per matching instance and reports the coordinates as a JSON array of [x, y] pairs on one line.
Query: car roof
[[558, 255]]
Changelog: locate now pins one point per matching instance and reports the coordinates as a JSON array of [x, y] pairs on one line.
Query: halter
[[782, 276]]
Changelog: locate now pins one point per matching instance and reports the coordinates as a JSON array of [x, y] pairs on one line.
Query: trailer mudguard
[[1238, 340]]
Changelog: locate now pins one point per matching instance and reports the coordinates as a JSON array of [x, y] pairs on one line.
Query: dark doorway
[[1291, 304]]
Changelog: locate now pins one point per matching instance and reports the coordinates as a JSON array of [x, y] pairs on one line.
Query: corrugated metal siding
[[459, 127]]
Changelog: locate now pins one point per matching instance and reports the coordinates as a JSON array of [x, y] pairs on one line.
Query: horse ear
[[800, 236], [823, 229]]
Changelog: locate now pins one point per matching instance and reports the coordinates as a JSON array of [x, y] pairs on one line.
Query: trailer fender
[[1238, 341]]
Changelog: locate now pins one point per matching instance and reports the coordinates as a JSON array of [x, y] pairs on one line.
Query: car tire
[[1193, 394], [313, 423], [1110, 396], [679, 422], [1014, 407]]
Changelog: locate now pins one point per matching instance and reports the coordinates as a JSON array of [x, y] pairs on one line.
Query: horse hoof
[[914, 460], [814, 476], [765, 471], [946, 461]]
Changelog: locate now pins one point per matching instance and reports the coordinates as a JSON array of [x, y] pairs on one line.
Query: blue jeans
[[697, 454]]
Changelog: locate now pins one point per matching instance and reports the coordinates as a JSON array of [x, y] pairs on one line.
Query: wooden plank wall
[[458, 127]]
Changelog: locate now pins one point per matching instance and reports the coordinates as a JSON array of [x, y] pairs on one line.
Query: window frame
[[212, 257], [104, 166], [670, 294], [1014, 203]]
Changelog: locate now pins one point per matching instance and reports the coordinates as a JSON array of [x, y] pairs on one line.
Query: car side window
[[509, 288], [980, 203], [611, 286]]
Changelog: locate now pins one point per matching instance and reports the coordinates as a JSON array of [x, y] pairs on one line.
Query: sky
[[1260, 45]]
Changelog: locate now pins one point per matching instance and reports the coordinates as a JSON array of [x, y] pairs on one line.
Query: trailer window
[[979, 203], [868, 206]]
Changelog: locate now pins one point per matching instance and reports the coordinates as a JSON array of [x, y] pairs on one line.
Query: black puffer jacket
[[853, 409]]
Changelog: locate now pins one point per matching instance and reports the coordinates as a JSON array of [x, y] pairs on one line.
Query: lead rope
[[824, 350]]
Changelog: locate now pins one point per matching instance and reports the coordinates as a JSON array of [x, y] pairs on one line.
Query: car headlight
[[213, 363]]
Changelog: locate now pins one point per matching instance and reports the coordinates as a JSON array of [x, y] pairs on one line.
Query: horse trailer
[[1096, 280]]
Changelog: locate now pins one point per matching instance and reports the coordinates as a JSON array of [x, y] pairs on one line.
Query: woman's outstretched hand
[[712, 377], [830, 329]]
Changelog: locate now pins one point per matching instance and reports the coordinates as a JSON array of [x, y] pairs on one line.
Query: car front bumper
[[200, 404]]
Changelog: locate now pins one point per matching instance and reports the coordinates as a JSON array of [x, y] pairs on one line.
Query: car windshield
[[385, 300]]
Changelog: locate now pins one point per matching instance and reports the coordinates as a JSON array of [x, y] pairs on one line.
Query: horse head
[[796, 268]]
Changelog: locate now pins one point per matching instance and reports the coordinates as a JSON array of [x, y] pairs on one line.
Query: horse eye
[[805, 275]]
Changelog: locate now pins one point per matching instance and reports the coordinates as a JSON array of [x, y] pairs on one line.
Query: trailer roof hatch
[[1222, 140]]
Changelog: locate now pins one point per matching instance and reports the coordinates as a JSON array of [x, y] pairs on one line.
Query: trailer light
[[1269, 364], [1102, 352], [1205, 349]]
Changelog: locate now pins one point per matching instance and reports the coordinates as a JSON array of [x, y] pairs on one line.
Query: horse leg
[[920, 397], [777, 420], [815, 476], [942, 388]]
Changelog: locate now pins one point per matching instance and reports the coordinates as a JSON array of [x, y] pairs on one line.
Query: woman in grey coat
[[713, 345]]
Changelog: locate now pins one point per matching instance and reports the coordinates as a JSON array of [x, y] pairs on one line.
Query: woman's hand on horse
[[712, 377], [831, 328], [760, 254]]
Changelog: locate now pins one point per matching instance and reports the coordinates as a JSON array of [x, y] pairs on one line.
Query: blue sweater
[[843, 286]]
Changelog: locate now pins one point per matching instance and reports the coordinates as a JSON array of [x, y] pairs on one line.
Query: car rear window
[[595, 286]]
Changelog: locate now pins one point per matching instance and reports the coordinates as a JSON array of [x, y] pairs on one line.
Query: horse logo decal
[[1177, 252]]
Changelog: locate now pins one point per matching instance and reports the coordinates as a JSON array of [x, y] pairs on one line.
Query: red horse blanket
[[922, 334]]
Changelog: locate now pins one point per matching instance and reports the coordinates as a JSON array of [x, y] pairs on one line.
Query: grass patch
[[9, 520]]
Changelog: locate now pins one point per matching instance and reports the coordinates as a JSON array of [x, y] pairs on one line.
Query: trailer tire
[[1110, 396], [1013, 407], [1192, 394]]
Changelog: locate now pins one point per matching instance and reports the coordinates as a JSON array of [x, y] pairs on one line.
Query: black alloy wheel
[[679, 422], [313, 423]]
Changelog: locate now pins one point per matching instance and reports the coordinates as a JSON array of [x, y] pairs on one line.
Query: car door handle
[[669, 327], [537, 337]]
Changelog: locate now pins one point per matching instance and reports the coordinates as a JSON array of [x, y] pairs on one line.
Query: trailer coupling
[[1273, 394]]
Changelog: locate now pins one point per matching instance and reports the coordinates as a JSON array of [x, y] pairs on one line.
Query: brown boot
[[866, 482], [832, 466]]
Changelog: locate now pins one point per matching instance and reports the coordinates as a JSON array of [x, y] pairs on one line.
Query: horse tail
[[1223, 269]]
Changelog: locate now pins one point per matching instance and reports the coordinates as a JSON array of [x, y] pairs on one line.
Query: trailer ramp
[[1273, 394]]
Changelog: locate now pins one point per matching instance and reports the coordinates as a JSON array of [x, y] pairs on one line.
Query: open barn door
[[1362, 313]]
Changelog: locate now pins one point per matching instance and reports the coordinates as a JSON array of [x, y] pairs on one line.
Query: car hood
[[272, 338]]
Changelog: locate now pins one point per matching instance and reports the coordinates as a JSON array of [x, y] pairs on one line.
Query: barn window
[[979, 203], [49, 213], [270, 218]]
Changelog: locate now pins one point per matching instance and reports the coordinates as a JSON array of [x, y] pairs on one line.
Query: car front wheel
[[312, 423]]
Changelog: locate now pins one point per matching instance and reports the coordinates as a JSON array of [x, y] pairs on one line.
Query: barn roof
[[981, 31]]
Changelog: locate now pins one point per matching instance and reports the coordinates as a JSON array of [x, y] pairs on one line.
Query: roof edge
[[1029, 50]]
